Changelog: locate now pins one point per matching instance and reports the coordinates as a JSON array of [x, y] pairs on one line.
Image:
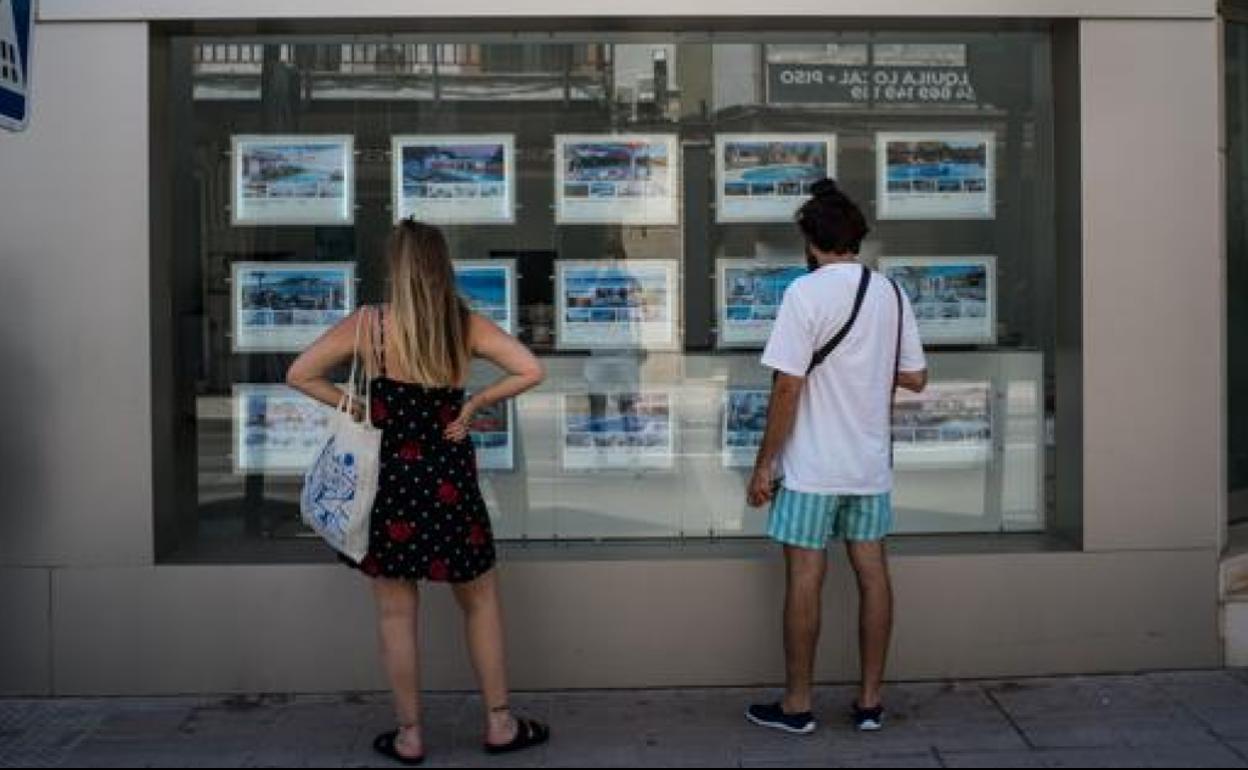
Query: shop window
[[631, 222]]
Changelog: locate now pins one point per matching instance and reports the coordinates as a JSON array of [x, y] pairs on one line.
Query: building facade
[[204, 187]]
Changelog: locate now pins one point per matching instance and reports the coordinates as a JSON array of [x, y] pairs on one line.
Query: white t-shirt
[[840, 442]]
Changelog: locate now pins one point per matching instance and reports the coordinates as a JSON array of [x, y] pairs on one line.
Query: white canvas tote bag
[[339, 488]]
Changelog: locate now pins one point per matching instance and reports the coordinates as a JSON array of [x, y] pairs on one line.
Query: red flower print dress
[[429, 519]]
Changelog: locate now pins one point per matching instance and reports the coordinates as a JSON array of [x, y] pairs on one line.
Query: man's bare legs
[[802, 611], [806, 570], [875, 616]]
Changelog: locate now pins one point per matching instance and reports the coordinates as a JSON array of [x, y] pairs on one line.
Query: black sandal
[[529, 733], [384, 745]]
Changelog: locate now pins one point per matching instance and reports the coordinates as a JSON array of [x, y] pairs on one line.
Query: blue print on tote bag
[[332, 490], [339, 488]]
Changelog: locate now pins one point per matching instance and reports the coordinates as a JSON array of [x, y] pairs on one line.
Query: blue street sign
[[17, 20]]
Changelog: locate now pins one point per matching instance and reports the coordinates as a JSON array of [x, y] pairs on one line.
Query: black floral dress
[[429, 519]]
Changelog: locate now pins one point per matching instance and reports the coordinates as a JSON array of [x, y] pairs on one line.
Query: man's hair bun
[[825, 188], [831, 221]]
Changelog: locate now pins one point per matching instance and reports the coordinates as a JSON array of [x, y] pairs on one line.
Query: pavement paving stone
[[1216, 698], [1078, 695], [40, 733], [1204, 756], [1167, 719]]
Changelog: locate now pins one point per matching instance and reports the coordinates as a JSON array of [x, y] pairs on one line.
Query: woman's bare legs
[[398, 604], [483, 625]]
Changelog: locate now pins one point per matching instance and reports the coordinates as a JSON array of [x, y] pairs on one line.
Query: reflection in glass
[[623, 203]]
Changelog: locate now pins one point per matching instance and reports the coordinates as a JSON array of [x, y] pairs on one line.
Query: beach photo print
[[493, 436], [631, 179], [285, 306], [936, 175], [292, 180], [277, 429], [616, 304], [948, 425], [488, 286], [766, 177], [619, 429], [745, 420], [454, 179], [749, 295], [954, 298]]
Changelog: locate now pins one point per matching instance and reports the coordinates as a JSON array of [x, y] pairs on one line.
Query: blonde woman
[[429, 521]]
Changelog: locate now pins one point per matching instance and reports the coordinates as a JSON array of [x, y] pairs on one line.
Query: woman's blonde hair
[[430, 328]]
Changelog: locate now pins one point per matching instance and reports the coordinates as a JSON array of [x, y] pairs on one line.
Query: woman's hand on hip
[[458, 429]]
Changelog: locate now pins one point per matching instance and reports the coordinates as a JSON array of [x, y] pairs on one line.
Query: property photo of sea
[[615, 169], [489, 428], [315, 170], [937, 166], [945, 413], [773, 168], [485, 290], [746, 418], [292, 297], [945, 292], [281, 429], [446, 170], [622, 420], [754, 293], [614, 295]]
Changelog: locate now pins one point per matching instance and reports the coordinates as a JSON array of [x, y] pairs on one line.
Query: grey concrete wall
[[74, 333], [1153, 280], [632, 622], [26, 643], [74, 401]]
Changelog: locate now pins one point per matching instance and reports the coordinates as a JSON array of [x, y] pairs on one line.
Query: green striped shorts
[[808, 520]]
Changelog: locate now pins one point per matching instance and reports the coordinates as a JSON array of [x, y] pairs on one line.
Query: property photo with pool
[[765, 177]]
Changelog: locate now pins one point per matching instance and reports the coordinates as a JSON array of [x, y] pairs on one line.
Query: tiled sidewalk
[[1188, 719]]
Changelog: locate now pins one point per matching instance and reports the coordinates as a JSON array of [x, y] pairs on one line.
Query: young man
[[828, 428]]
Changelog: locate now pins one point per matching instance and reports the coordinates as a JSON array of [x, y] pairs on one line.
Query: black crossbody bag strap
[[832, 344], [892, 394]]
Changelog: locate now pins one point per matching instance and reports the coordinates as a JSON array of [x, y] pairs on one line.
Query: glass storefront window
[[623, 203]]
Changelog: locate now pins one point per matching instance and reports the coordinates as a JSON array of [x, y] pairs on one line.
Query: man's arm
[[911, 362], [786, 393], [914, 382]]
